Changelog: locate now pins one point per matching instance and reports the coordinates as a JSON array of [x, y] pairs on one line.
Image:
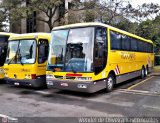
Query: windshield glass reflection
[[21, 51], [72, 50]]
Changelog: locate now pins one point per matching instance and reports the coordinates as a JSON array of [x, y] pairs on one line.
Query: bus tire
[[146, 71], [142, 72], [110, 83]]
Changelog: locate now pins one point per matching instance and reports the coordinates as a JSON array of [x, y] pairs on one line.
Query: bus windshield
[[71, 50], [3, 49], [21, 51]]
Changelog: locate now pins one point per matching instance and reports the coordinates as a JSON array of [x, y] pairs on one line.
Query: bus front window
[[22, 51], [72, 49], [27, 51], [57, 49], [12, 49]]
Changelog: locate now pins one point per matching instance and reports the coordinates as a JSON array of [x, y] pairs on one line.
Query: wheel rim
[[146, 72], [110, 83], [143, 73]]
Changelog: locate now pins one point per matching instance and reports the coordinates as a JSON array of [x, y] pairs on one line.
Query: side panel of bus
[[127, 64], [3, 52]]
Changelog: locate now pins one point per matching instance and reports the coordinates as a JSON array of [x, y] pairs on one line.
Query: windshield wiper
[[9, 62], [14, 58], [20, 59]]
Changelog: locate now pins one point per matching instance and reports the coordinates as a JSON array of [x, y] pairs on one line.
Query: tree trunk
[[50, 24]]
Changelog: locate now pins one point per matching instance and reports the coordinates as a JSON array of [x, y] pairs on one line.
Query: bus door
[[43, 48], [3, 49], [100, 50]]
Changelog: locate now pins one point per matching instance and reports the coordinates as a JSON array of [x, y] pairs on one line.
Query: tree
[[49, 9], [3, 21], [117, 13], [22, 9], [8, 9]]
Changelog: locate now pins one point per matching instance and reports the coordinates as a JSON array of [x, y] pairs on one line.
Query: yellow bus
[[26, 59], [89, 57], [3, 50]]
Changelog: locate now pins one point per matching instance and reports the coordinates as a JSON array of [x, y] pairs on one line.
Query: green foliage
[[118, 13], [15, 10], [47, 7], [89, 16], [150, 29]]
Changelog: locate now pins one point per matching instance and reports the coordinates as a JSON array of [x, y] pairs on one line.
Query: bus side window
[[134, 44], [115, 40], [43, 48], [125, 42], [100, 49]]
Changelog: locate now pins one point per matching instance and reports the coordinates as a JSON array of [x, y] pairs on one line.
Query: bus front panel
[[26, 62]]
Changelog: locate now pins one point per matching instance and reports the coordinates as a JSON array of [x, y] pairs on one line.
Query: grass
[[156, 68]]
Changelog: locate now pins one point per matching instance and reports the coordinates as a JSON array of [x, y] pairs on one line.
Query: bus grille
[[65, 77], [68, 77], [59, 77]]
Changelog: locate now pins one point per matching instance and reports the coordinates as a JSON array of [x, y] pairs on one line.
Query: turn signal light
[[33, 76]]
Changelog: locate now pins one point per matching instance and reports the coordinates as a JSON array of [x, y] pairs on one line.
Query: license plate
[[64, 84], [16, 83]]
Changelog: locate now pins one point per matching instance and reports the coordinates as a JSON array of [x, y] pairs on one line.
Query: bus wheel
[[146, 71], [142, 72], [110, 83]]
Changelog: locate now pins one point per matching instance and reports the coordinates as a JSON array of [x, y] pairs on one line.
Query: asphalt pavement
[[134, 98]]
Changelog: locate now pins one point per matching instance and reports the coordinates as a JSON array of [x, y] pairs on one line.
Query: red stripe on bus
[[118, 69], [73, 74]]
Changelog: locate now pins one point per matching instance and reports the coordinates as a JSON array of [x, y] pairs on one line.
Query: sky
[[140, 2]]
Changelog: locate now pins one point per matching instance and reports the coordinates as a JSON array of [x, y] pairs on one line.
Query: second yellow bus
[[26, 59]]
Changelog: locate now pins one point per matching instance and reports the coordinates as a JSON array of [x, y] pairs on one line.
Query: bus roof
[[30, 36], [6, 34], [103, 25]]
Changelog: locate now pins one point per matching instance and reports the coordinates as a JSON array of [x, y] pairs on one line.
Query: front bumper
[[36, 83], [89, 87]]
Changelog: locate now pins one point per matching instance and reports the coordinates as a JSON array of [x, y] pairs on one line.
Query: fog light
[[82, 86]]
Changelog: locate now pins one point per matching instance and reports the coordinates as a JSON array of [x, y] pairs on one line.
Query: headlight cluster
[[49, 76], [6, 75], [27, 76]]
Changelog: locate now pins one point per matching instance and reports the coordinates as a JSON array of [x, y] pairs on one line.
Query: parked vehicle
[[26, 59]]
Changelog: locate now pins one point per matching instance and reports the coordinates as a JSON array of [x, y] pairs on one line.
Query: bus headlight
[[49, 76], [84, 78], [6, 75], [27, 76]]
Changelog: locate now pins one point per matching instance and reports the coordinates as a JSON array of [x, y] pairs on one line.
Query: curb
[[154, 74]]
